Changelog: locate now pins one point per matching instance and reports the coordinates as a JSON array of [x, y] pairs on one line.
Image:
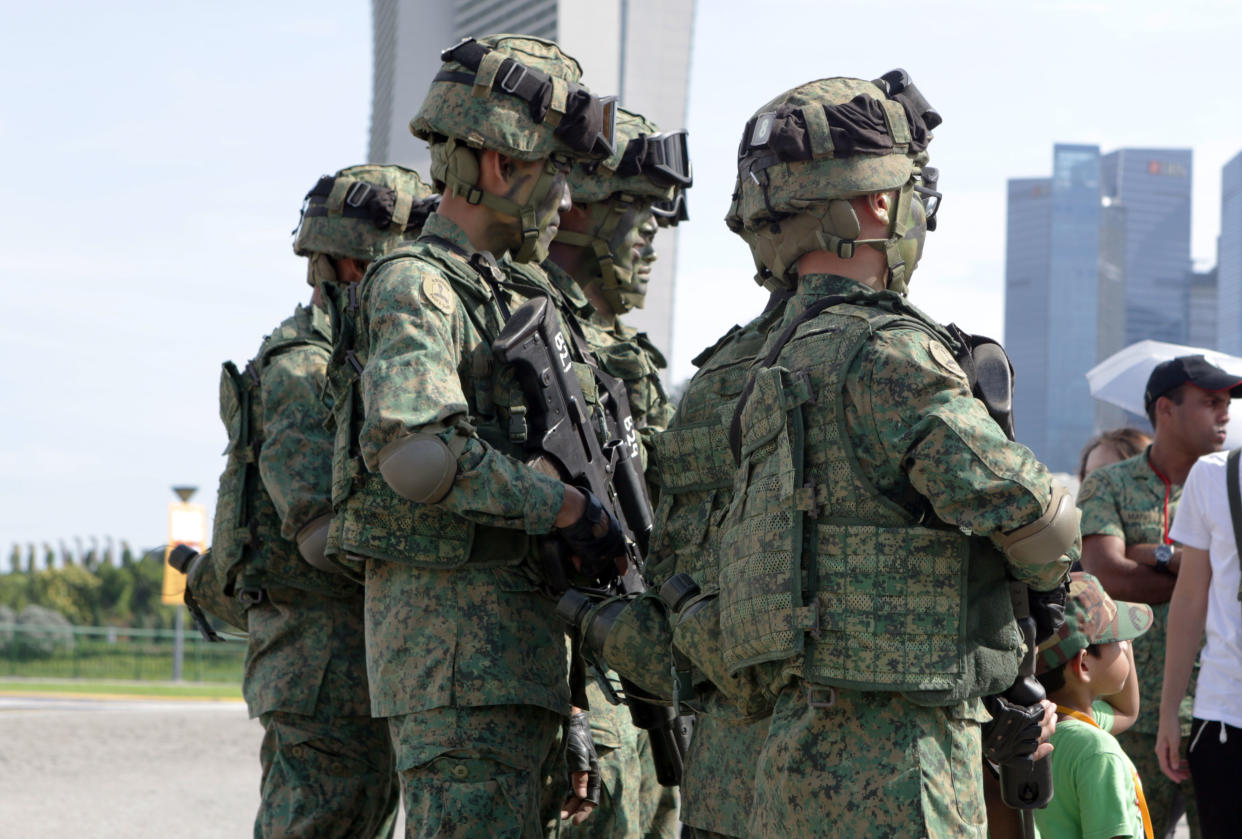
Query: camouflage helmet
[[647, 167], [517, 95], [809, 150], [362, 212], [646, 163]]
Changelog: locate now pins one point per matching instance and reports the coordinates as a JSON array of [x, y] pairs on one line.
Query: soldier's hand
[[1017, 732], [583, 766], [593, 537], [1048, 610]]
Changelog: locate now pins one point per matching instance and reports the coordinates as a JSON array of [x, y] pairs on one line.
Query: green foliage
[[44, 631], [93, 593]]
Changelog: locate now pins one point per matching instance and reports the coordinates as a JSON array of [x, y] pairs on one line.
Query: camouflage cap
[[830, 138], [503, 106], [362, 212], [1091, 617], [623, 170]]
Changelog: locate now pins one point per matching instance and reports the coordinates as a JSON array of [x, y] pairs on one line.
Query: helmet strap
[[604, 218]]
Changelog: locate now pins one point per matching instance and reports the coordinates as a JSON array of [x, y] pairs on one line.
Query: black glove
[[597, 553], [1048, 610], [1013, 733], [580, 755]]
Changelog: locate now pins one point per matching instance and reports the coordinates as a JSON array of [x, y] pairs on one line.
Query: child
[[1096, 790]]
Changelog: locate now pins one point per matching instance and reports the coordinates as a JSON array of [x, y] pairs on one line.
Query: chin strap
[[604, 218]]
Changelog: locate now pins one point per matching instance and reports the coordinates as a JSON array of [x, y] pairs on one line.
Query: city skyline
[[148, 213]]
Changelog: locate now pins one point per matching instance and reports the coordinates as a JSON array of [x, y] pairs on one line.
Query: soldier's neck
[[866, 266], [482, 228]]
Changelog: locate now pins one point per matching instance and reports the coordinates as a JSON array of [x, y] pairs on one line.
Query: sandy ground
[[132, 769]]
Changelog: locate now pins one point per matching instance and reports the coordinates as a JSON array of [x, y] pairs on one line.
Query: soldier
[[879, 509], [327, 765], [693, 474], [595, 261], [434, 504], [1127, 510]]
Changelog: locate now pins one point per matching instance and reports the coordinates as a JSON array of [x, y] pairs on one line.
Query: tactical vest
[[247, 545], [370, 519], [825, 572]]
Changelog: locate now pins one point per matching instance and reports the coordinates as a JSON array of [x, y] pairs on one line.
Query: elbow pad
[[420, 467], [312, 542], [1048, 537]]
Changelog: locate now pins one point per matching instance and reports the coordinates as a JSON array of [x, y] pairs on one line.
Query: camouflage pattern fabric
[[1126, 500], [478, 773], [619, 812], [492, 119], [333, 233], [326, 776], [693, 471], [871, 766], [622, 352], [920, 448], [660, 804]]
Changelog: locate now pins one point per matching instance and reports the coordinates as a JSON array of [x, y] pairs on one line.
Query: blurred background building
[[1097, 257], [637, 49], [1229, 259]]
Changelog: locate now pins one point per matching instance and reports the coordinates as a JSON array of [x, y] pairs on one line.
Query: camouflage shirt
[[304, 649], [927, 443], [1127, 500], [469, 635]]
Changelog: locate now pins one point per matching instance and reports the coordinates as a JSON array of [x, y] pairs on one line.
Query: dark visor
[[664, 158]]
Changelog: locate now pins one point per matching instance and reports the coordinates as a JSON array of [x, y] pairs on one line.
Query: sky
[[157, 153]]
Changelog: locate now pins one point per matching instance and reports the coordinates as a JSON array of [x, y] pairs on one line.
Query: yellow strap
[[1138, 783]]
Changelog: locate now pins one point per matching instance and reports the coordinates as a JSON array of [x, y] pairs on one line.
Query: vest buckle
[[820, 696]]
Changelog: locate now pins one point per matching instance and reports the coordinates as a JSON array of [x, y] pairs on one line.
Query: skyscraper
[[1098, 257], [1052, 301], [1151, 189], [1229, 259], [637, 49]]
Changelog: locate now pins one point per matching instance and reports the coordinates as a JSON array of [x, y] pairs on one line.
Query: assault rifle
[[563, 434]]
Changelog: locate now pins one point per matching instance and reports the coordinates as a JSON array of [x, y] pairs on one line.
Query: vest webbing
[[824, 569]]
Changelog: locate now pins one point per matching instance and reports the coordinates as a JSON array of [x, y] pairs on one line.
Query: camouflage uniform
[[327, 765], [634, 803], [1127, 500], [917, 446], [878, 510], [465, 654], [694, 476]]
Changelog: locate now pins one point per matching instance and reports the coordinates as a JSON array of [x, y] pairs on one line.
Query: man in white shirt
[[1206, 597]]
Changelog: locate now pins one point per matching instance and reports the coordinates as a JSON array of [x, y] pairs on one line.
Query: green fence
[[94, 652]]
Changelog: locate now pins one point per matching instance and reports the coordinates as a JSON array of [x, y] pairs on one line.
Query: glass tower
[[1229, 259]]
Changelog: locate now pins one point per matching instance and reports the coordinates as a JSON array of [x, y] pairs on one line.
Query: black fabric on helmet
[[589, 123], [664, 158], [367, 201], [858, 126]]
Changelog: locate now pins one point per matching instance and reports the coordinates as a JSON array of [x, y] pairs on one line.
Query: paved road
[[133, 769]]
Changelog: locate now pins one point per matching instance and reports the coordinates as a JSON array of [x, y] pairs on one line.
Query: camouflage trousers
[[862, 765], [478, 773], [719, 783], [1166, 801], [326, 777], [660, 804]]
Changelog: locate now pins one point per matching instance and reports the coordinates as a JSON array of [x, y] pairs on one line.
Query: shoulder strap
[[1235, 500]]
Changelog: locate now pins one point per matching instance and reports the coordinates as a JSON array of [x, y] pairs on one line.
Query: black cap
[[1193, 369]]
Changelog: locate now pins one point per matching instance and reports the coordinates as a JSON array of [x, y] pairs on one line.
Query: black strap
[[512, 77], [1235, 502]]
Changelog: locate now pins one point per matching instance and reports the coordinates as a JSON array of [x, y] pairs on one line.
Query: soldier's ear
[[495, 171]]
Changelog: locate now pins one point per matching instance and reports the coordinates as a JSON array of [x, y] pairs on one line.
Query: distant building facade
[[1097, 257], [1229, 259], [1202, 315], [636, 49]]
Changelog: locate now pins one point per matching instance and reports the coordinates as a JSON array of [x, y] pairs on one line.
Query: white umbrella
[[1121, 378]]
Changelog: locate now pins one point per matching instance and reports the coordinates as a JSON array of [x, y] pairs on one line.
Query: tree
[[15, 559]]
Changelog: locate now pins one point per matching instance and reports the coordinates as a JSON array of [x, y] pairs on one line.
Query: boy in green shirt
[[1087, 668]]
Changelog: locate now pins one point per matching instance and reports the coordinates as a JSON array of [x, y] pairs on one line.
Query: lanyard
[[1168, 487], [1138, 784]]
